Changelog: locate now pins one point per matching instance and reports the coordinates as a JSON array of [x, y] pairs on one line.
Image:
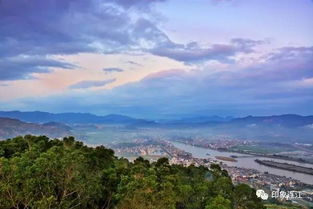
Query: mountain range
[[71, 118], [287, 120], [288, 127], [13, 127]]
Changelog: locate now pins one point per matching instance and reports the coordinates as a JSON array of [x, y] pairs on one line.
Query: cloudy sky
[[157, 58]]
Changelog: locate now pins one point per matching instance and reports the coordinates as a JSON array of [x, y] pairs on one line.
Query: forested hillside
[[36, 172], [12, 127]]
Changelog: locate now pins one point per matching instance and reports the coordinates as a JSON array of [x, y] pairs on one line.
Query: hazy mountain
[[197, 120], [288, 120], [278, 127], [71, 118], [289, 128], [13, 127]]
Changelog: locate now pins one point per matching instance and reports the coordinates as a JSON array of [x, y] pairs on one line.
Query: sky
[[157, 58]]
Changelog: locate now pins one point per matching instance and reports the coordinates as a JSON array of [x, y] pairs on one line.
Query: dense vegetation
[[36, 172]]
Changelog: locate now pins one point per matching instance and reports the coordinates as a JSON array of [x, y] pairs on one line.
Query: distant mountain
[[71, 118], [197, 120], [13, 127], [288, 120], [278, 127], [291, 128]]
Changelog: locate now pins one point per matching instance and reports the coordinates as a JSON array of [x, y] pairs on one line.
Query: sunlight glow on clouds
[[162, 57], [91, 83]]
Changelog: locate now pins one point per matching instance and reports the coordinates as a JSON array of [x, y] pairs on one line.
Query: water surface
[[247, 162]]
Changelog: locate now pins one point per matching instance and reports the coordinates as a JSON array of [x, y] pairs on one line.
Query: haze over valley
[[156, 104]]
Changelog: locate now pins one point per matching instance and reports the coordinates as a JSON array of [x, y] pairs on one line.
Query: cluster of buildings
[[254, 178], [220, 143], [273, 184], [259, 180], [141, 150], [151, 149]]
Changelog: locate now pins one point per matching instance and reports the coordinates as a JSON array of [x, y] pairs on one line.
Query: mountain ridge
[[70, 118], [287, 120], [13, 127]]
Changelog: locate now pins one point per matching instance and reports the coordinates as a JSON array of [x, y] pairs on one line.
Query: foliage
[[39, 173]]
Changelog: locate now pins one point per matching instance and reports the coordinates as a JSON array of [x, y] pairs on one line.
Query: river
[[247, 161]]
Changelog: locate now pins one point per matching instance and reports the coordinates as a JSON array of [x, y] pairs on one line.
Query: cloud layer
[[69, 27], [278, 83], [54, 27], [226, 76], [20, 67], [192, 52], [90, 84], [112, 70]]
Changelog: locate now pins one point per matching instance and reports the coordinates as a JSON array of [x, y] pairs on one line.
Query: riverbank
[[243, 154], [245, 162], [225, 158], [286, 166]]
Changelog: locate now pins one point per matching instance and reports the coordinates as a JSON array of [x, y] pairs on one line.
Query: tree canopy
[[39, 173]]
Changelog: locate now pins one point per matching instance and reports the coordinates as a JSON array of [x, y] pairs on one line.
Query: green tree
[[245, 198], [219, 202], [39, 173]]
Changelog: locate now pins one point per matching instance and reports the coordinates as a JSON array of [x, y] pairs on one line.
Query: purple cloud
[[112, 70], [64, 27], [139, 4], [192, 52], [133, 63], [20, 67], [54, 27], [286, 64], [91, 83], [257, 89]]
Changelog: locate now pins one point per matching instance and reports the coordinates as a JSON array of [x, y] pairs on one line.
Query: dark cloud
[[91, 83], [67, 26], [286, 64], [192, 52], [270, 86], [149, 36], [113, 70], [133, 63], [60, 27], [20, 67], [53, 27], [263, 88], [291, 53], [138, 4], [246, 45], [158, 43]]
